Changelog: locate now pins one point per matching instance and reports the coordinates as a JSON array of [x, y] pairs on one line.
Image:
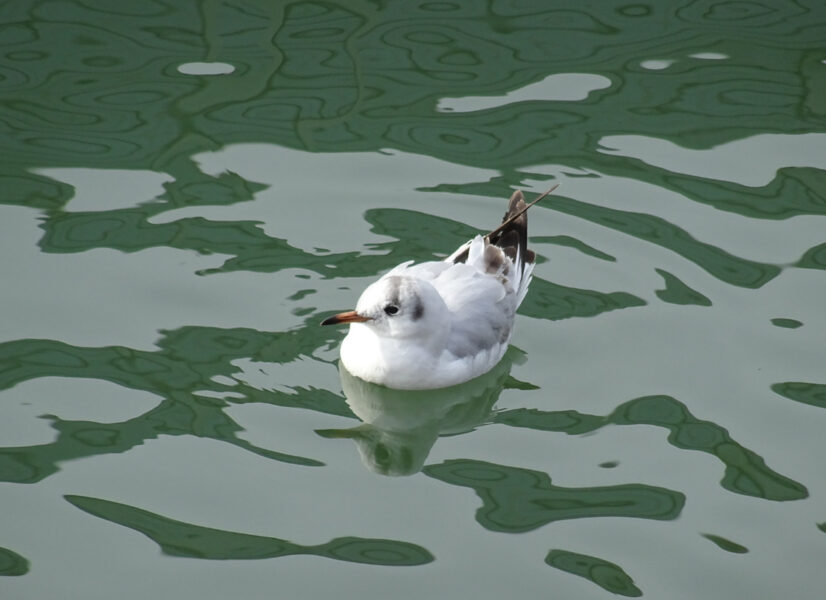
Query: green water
[[188, 188]]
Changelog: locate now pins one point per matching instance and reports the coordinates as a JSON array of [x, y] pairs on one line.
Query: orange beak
[[350, 316]]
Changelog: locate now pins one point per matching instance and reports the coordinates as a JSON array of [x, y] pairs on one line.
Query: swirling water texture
[[365, 76], [96, 84], [188, 361]]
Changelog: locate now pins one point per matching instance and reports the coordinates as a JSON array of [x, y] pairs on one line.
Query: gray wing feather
[[482, 307]]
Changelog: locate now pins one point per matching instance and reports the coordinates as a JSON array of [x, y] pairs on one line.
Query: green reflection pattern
[[725, 544], [177, 538], [814, 258], [548, 300], [516, 500], [188, 361], [717, 262], [786, 323], [416, 235], [566, 240], [746, 472], [813, 394], [12, 564], [93, 85], [606, 575], [676, 292]]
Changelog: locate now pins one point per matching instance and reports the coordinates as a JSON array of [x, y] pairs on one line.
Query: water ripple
[[745, 471], [515, 500], [177, 538], [605, 574], [12, 564]]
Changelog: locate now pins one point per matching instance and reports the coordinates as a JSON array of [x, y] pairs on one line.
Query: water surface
[[188, 190]]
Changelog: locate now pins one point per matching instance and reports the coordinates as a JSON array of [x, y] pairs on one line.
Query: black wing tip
[[512, 235], [462, 256]]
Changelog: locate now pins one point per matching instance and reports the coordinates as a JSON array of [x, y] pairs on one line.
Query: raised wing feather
[[482, 292]]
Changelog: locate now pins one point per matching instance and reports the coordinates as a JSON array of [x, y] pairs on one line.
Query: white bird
[[440, 323]]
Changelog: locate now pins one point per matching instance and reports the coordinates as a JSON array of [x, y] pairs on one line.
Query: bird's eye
[[391, 309]]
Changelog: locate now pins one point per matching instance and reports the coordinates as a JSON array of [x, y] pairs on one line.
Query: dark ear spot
[[418, 309]]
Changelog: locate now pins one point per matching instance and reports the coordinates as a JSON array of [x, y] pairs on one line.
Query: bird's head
[[399, 307]]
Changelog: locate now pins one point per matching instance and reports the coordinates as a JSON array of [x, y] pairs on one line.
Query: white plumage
[[440, 323]]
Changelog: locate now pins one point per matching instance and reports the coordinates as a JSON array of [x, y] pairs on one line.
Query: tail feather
[[512, 238]]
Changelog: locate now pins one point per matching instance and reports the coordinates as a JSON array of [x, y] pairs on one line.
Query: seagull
[[440, 323]]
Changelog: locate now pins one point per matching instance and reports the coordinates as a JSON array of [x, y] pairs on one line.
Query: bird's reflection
[[401, 426]]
